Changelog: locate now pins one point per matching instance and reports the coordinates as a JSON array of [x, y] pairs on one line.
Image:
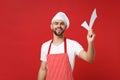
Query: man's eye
[[63, 23], [55, 23]]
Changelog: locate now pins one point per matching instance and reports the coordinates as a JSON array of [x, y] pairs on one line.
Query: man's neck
[[57, 40]]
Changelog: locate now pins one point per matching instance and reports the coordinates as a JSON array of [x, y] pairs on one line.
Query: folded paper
[[92, 20]]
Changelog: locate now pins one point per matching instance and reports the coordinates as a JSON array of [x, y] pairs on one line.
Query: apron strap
[[65, 46], [49, 47]]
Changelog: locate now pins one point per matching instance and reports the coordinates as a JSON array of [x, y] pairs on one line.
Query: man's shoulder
[[46, 43], [74, 44]]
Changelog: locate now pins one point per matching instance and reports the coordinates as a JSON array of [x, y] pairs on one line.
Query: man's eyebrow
[[59, 22]]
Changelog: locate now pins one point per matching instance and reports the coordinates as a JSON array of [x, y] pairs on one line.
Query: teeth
[[58, 29]]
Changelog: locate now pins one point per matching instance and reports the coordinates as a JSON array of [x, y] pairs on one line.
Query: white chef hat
[[61, 16]]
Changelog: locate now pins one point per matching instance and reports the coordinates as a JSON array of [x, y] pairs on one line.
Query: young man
[[58, 54]]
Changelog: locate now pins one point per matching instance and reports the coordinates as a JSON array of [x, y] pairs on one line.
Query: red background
[[25, 25]]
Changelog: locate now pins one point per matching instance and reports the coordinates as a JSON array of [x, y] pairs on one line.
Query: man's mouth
[[58, 29]]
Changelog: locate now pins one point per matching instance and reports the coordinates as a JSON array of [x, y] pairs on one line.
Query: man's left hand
[[90, 36]]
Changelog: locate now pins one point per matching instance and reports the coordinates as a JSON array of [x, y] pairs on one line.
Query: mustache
[[59, 28]]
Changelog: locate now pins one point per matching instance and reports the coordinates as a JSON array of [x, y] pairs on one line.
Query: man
[[58, 54]]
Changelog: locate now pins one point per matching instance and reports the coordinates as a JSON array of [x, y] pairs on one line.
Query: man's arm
[[90, 53], [42, 71]]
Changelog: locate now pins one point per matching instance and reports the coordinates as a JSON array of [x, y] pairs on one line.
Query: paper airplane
[[92, 20]]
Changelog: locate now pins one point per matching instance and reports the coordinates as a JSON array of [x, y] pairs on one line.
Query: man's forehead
[[60, 21]]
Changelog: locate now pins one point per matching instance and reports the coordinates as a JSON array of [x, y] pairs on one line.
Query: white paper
[[85, 25], [92, 20]]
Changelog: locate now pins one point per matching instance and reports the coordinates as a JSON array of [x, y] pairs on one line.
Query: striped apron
[[59, 67]]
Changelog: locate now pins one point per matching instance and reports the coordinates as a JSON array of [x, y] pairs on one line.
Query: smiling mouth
[[59, 29]]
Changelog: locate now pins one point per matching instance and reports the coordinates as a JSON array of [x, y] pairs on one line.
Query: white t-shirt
[[73, 49]]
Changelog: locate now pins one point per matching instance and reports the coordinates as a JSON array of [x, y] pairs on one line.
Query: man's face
[[58, 27]]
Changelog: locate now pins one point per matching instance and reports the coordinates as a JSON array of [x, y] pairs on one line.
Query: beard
[[58, 31]]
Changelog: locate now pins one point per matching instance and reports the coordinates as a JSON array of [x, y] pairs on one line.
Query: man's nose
[[59, 25]]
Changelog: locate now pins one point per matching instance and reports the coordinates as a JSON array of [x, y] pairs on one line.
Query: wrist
[[90, 43]]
